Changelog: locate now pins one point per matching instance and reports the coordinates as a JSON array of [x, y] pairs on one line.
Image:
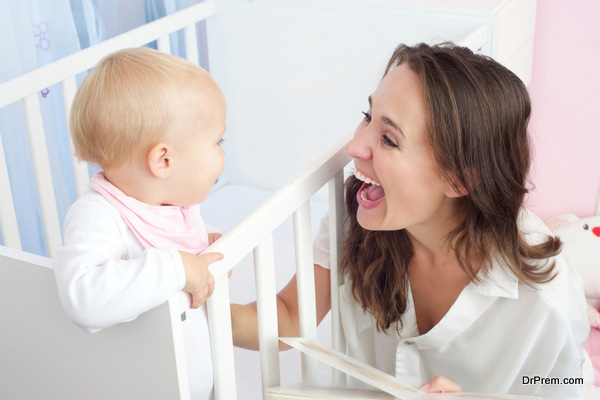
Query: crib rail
[[254, 234], [64, 71]]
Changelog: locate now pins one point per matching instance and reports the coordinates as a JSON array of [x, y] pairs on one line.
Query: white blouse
[[500, 336], [106, 277]]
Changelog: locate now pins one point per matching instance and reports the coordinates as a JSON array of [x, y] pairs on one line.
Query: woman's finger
[[439, 384]]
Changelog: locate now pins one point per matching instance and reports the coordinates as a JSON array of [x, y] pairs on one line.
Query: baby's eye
[[388, 142], [367, 117]]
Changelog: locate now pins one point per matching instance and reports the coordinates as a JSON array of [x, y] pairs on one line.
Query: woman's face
[[402, 186]]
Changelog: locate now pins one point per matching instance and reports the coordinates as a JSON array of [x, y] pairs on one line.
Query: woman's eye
[[388, 142], [367, 117]]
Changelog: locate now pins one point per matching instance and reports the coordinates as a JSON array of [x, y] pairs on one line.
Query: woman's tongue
[[374, 193]]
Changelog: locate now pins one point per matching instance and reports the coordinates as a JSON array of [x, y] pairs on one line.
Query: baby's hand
[[199, 282], [212, 237]]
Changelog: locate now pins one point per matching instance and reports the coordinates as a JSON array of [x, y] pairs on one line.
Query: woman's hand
[[439, 384]]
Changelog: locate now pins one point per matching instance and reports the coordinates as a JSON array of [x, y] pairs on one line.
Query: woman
[[450, 283]]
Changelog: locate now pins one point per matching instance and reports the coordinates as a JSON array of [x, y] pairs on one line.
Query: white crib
[[296, 74]]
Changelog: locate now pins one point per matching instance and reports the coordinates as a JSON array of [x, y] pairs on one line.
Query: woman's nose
[[359, 146]]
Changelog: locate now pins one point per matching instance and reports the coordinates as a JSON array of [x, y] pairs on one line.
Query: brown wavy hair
[[477, 115]]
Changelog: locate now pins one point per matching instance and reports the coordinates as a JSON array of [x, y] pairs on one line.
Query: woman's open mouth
[[370, 193]]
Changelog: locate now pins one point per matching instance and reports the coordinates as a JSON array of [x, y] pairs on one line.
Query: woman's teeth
[[360, 176], [363, 195], [371, 191]]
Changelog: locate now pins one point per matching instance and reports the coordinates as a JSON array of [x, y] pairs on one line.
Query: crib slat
[[43, 177], [8, 218], [164, 44], [266, 302], [80, 168], [191, 43], [336, 219], [221, 341], [306, 288]]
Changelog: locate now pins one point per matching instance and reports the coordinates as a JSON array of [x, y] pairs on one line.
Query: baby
[[154, 124]]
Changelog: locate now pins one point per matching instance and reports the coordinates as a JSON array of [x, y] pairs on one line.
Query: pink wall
[[565, 93]]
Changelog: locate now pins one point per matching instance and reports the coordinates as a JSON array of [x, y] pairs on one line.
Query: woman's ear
[[457, 189], [159, 160]]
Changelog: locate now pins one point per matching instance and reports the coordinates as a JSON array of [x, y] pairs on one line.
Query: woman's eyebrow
[[386, 120], [391, 123]]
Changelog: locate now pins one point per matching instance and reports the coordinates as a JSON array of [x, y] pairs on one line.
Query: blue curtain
[[35, 33]]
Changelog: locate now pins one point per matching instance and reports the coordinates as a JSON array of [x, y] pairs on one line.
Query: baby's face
[[200, 157]]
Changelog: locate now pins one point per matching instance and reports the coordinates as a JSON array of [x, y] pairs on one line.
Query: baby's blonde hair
[[129, 101]]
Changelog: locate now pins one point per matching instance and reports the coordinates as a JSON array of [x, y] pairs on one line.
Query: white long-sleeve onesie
[[106, 277]]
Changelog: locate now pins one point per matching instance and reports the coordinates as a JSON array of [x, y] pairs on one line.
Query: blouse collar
[[470, 304]]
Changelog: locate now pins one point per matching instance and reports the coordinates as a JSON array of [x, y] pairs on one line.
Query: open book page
[[391, 388], [354, 368], [298, 392]]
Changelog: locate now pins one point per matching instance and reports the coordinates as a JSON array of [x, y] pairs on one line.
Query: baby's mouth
[[370, 192]]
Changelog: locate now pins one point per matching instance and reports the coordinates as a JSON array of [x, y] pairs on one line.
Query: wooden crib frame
[[253, 234]]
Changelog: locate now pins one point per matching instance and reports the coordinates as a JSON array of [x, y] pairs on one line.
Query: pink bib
[[159, 227]]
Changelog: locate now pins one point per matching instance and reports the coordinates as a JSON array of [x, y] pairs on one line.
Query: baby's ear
[[159, 160]]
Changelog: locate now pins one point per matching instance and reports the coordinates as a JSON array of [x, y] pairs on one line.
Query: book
[[350, 366], [389, 388]]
